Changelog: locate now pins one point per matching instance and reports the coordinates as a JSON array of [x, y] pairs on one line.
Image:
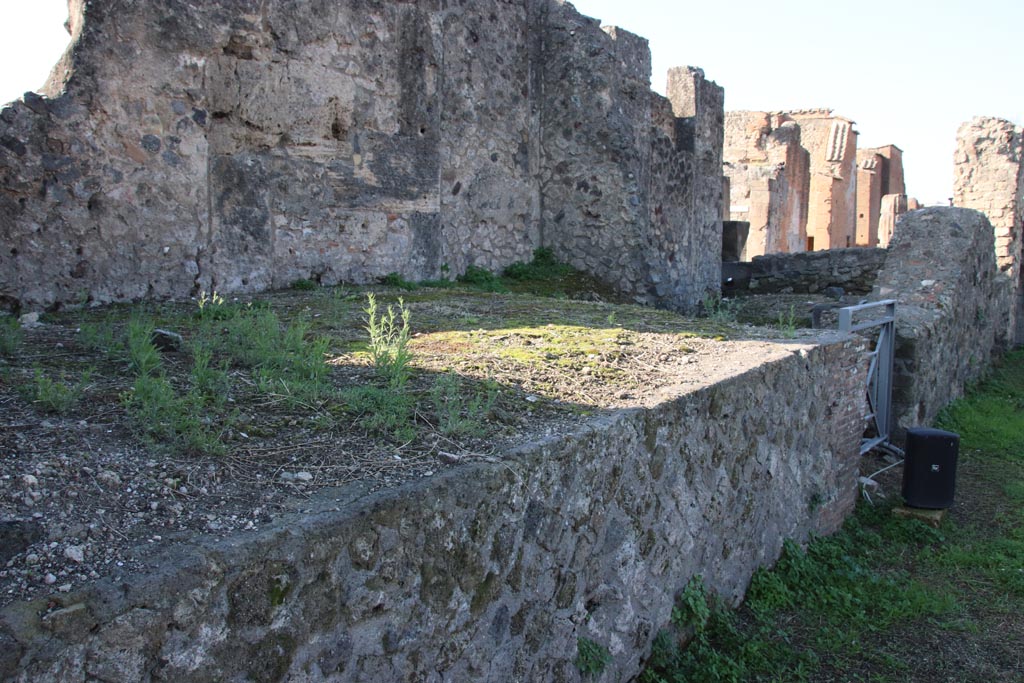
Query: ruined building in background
[[769, 177], [240, 145], [881, 194], [831, 142], [989, 177], [799, 181]]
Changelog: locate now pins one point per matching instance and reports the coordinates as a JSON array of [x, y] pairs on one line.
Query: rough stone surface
[[854, 270], [941, 269], [490, 572], [239, 145], [769, 177], [988, 175]]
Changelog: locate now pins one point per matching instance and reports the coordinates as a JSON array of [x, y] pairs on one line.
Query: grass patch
[[397, 281]]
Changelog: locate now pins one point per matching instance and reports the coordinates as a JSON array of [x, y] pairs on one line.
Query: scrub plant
[[718, 308], [787, 323], [10, 335], [482, 279], [591, 658], [458, 416], [100, 336], [55, 396], [143, 356], [389, 341]]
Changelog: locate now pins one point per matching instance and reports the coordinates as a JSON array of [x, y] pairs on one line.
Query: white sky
[[907, 72]]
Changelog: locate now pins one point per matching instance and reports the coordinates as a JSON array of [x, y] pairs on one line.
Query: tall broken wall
[[769, 175], [989, 177], [239, 145], [941, 269], [631, 181], [870, 173]]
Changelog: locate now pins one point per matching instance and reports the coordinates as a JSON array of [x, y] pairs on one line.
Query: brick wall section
[[492, 571], [832, 144], [241, 145], [769, 179], [869, 196], [989, 176], [892, 169], [941, 269]]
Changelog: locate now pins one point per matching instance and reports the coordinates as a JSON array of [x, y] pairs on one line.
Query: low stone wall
[[810, 272], [492, 571], [951, 303]]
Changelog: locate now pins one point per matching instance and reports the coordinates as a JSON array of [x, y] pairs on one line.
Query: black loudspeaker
[[929, 471]]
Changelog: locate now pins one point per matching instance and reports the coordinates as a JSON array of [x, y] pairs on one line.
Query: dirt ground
[[86, 493]]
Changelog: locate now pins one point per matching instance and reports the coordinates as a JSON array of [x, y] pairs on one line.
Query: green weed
[[397, 281], [591, 658], [719, 647], [303, 285], [718, 308], [10, 335], [382, 410], [210, 382], [544, 266], [482, 279], [213, 307], [54, 396], [285, 362], [143, 356], [389, 341], [787, 323], [101, 337], [457, 415], [172, 420]]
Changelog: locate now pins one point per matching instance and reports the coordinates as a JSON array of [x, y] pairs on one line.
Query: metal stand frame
[[880, 372]]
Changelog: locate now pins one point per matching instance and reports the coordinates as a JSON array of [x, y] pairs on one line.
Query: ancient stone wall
[[989, 177], [853, 270], [616, 157], [698, 111], [769, 179], [491, 571], [239, 145], [941, 269]]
